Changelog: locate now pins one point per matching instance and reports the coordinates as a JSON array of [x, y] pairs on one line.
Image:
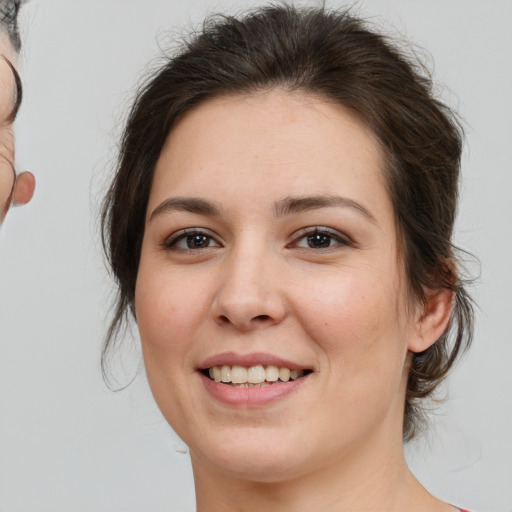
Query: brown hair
[[9, 10], [335, 55]]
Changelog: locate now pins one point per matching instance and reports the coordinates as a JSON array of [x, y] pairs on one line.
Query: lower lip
[[250, 397]]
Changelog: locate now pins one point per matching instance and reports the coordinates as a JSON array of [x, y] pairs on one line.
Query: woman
[[11, 189], [280, 227]]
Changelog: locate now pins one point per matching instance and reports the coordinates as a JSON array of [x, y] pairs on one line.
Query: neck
[[374, 481], [368, 475]]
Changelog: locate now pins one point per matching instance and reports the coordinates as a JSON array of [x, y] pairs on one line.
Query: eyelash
[[172, 242], [329, 236]]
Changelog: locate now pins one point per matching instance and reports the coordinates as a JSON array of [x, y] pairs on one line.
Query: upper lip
[[248, 360]]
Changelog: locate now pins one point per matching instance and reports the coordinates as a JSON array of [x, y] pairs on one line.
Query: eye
[[191, 239], [319, 238]]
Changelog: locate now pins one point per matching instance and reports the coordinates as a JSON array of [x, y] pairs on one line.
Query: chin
[[257, 456]]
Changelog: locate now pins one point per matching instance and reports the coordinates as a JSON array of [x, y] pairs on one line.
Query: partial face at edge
[[270, 241], [7, 101], [18, 190]]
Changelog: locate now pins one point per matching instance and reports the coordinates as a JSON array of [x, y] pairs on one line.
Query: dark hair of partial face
[[334, 55], [9, 10]]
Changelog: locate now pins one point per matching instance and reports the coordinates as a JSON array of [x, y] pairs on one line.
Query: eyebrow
[[187, 204], [291, 205], [283, 207], [19, 91]]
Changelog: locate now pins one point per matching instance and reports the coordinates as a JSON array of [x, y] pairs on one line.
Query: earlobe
[[24, 188], [433, 319]]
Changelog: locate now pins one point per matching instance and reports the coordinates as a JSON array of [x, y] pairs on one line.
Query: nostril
[[224, 319], [261, 318], [257, 319]]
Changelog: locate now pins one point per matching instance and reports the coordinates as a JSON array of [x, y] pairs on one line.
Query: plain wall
[[68, 444]]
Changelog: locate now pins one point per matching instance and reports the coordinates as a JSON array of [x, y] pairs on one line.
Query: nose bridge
[[248, 289]]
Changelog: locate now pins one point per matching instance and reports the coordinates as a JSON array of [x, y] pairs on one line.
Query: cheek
[[355, 319], [167, 304], [356, 304], [168, 311]]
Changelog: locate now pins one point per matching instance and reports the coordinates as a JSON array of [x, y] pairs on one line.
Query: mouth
[[256, 376]]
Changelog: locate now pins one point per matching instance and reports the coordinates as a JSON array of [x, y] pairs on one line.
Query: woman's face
[[270, 245], [7, 101], [17, 189]]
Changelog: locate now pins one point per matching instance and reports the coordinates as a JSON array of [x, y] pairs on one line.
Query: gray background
[[67, 443]]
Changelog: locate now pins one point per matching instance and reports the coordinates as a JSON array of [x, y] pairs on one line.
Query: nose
[[248, 294]]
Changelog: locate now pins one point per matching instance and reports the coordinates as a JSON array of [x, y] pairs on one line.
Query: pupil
[[318, 240], [196, 241]]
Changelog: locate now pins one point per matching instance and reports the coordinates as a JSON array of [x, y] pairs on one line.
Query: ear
[[432, 319], [24, 188]]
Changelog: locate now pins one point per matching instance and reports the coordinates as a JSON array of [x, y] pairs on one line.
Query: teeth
[[272, 373], [284, 374], [216, 374], [238, 375], [225, 374], [255, 376]]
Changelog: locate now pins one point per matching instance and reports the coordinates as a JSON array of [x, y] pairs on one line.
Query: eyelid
[[171, 240], [341, 237]]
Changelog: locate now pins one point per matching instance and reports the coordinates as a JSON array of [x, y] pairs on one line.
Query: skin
[[259, 285], [18, 190]]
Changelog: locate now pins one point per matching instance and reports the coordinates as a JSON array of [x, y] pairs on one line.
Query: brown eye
[[197, 241], [319, 241], [319, 238], [187, 240]]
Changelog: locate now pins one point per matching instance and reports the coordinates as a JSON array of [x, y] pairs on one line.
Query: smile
[[253, 376], [253, 380]]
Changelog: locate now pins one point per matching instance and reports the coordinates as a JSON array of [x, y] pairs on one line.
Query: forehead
[[286, 140]]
